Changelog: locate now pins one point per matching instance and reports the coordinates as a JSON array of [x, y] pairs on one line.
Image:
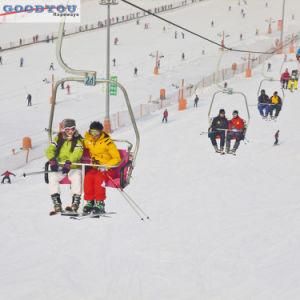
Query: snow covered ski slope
[[221, 226]]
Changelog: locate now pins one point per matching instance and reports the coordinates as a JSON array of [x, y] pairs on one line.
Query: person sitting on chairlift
[[236, 130], [218, 128]]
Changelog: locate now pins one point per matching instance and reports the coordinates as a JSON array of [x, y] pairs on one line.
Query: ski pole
[[135, 207], [36, 173], [129, 198]]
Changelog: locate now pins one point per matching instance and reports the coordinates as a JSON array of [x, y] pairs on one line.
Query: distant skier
[[298, 54], [0, 60], [276, 138], [66, 148], [284, 79], [21, 62], [276, 104], [68, 89], [212, 23], [236, 129], [263, 104], [114, 62], [182, 35], [116, 41], [165, 116], [175, 34], [62, 85], [196, 100], [183, 56], [218, 128], [269, 67], [135, 71], [29, 98], [6, 176], [51, 67]]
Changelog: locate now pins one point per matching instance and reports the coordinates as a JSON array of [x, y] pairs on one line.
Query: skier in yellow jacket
[[276, 104], [103, 151]]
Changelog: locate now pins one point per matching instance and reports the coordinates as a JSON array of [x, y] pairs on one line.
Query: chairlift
[[273, 81], [230, 92], [120, 175]]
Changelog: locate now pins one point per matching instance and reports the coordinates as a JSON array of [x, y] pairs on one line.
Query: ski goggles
[[68, 129], [94, 132]]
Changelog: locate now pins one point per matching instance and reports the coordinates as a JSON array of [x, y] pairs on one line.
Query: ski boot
[[222, 150], [75, 203], [232, 151], [217, 149], [99, 208], [87, 209], [56, 202]]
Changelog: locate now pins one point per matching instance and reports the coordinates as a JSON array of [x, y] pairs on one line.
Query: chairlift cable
[[203, 37]]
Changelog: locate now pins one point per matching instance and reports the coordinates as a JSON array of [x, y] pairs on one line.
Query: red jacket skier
[[165, 116], [6, 175], [285, 77], [236, 128]]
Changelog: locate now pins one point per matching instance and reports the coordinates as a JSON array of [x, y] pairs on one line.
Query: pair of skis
[[79, 216]]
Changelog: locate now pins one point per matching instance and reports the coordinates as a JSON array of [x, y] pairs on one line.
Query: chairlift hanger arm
[[84, 73], [98, 81], [59, 55], [229, 92], [271, 80]]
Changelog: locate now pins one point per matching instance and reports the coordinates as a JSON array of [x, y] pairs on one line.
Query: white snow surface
[[221, 227]]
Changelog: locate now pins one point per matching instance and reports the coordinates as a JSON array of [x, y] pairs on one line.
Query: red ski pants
[[94, 185]]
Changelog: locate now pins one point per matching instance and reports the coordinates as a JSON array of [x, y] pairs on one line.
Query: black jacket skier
[[218, 128]]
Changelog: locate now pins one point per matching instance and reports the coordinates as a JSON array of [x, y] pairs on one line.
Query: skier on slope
[[6, 175], [196, 100], [66, 148], [103, 151], [236, 130], [218, 127], [165, 116]]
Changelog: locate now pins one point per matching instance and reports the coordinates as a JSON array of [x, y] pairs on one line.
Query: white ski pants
[[74, 176]]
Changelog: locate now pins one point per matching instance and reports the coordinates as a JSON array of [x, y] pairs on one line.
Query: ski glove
[[66, 167], [53, 165]]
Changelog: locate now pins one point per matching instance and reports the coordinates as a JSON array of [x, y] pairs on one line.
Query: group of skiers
[[267, 105], [66, 151], [227, 130]]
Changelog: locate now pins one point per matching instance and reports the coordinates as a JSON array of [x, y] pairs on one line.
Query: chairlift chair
[[120, 175], [229, 91]]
